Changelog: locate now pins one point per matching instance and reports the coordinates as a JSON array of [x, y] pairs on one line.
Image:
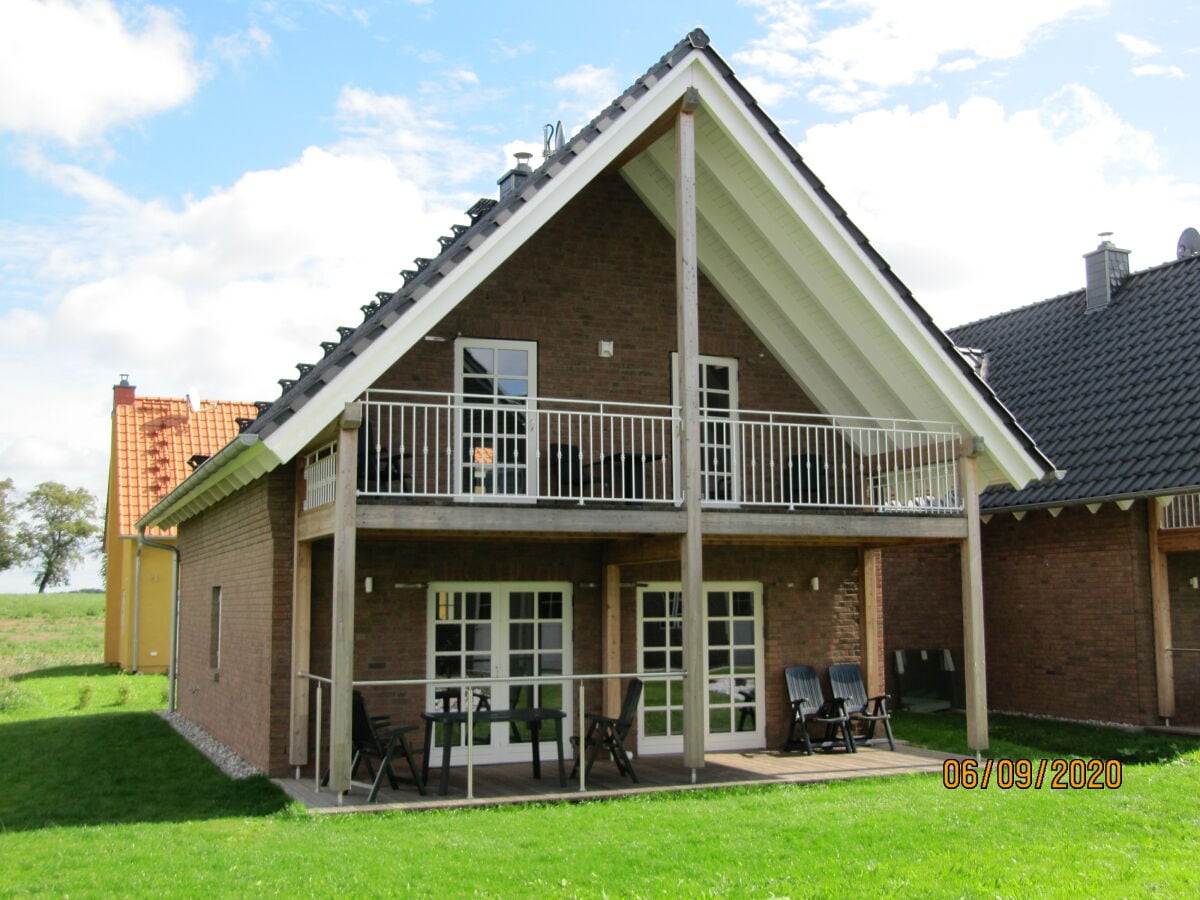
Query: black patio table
[[534, 717]]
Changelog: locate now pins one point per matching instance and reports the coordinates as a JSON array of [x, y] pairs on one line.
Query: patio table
[[534, 717]]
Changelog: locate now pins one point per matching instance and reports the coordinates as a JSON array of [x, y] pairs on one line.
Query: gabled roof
[[771, 239], [153, 439], [1112, 395]]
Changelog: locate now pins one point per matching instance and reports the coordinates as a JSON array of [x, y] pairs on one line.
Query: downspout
[[137, 596], [172, 670]]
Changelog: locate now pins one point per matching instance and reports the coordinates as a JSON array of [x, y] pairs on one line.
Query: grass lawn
[[108, 800]]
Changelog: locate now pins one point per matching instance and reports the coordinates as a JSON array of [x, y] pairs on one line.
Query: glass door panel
[[500, 631], [733, 649], [497, 380]]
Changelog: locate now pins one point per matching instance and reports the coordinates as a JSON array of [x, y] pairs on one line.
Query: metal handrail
[[470, 723]]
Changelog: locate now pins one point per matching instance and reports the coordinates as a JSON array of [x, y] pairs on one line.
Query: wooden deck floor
[[513, 783]]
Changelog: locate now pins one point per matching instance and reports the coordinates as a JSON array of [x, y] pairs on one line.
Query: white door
[[719, 463], [733, 648], [497, 381], [499, 630]]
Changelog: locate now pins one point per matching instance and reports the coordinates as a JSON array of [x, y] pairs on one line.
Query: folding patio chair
[[845, 680], [608, 734], [373, 737], [808, 705]]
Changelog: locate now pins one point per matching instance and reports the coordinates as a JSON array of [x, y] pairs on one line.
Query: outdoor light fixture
[[368, 584], [815, 582], [1194, 582]]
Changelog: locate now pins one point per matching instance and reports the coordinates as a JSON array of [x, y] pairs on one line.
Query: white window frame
[[735, 459], [502, 750], [734, 740], [466, 491]]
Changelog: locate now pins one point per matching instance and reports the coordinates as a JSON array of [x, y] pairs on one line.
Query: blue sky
[[239, 177]]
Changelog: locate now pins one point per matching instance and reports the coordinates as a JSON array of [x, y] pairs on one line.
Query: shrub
[[85, 694]]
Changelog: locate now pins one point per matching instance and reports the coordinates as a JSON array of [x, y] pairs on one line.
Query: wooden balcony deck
[[513, 783]]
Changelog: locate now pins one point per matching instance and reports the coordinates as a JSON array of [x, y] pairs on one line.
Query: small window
[[214, 633]]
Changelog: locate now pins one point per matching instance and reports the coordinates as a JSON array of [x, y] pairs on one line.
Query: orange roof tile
[[153, 439]]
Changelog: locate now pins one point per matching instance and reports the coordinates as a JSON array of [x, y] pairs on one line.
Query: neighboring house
[[1090, 581], [503, 472], [153, 439]]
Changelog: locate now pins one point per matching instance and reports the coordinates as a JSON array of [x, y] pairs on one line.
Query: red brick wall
[[244, 546], [1067, 612], [1185, 632], [800, 626], [602, 269]]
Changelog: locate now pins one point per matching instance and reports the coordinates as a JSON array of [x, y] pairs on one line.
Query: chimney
[[1105, 267], [516, 175], [123, 393]]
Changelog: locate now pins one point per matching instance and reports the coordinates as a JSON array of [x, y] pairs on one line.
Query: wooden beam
[[870, 565], [687, 316], [301, 651], [610, 637], [342, 650], [1160, 597], [646, 550], [315, 523], [974, 651], [479, 517]]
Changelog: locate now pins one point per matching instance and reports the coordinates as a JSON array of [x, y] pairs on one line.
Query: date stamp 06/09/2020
[[1026, 774]]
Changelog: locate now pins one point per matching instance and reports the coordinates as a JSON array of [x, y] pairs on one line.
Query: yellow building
[[156, 442]]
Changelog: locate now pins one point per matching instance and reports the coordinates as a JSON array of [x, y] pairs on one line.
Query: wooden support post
[[974, 651], [870, 563], [610, 638], [1160, 596], [687, 294], [301, 652], [342, 651]]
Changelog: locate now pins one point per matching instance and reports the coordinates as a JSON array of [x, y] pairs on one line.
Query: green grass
[[108, 801], [38, 631]]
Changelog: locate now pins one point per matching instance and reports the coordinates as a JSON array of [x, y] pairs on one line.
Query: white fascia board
[[975, 415], [239, 462], [360, 373]]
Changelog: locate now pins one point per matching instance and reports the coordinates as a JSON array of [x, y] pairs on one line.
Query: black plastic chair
[[808, 705], [608, 734], [374, 738], [845, 680]]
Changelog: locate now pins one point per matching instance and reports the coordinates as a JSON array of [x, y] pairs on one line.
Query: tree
[[10, 549], [56, 533]]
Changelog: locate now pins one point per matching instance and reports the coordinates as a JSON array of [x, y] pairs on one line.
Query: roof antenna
[[552, 135]]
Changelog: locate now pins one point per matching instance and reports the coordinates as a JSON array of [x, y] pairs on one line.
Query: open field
[[108, 800]]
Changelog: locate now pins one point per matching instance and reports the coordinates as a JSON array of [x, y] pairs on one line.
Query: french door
[[497, 381], [498, 630], [733, 650], [719, 469]]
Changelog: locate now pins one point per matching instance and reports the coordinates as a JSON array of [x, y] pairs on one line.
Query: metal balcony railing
[[529, 450]]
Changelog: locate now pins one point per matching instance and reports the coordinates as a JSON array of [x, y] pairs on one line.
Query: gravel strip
[[222, 757]]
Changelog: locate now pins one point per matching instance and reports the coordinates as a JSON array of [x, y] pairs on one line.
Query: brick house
[[1092, 606], [656, 409], [153, 438]]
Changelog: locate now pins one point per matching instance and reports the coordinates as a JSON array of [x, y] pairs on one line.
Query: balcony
[[432, 448]]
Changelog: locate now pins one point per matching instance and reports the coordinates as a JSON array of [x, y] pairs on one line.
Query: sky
[[197, 194]]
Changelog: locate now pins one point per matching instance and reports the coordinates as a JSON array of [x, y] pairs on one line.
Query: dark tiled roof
[[487, 217], [1112, 396]]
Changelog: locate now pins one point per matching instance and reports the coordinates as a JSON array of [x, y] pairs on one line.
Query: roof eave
[[239, 462]]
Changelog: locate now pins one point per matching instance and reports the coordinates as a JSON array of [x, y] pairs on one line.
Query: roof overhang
[[238, 463]]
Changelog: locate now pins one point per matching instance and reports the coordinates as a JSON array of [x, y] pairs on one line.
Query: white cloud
[[105, 70], [887, 45], [980, 209], [223, 292], [1152, 70], [236, 48], [1138, 46], [501, 50], [585, 91]]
